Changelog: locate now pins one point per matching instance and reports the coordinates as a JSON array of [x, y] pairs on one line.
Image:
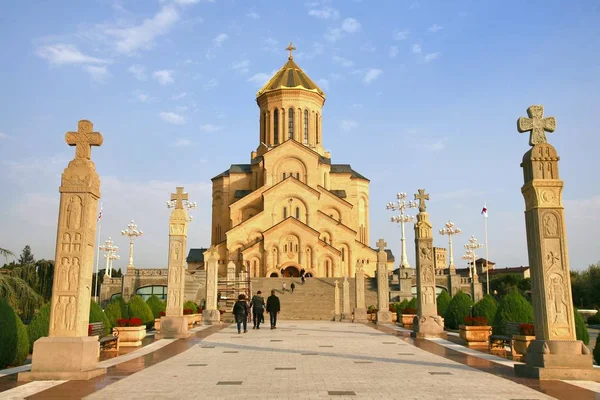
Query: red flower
[[187, 311], [476, 321], [527, 329], [122, 322], [162, 314], [135, 322]]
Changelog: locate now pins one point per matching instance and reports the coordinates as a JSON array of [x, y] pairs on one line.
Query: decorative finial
[[422, 196], [536, 124], [290, 48]]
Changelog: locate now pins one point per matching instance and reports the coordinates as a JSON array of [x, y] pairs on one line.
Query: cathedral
[[291, 208]]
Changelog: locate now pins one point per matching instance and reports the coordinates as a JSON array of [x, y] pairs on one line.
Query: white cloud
[[324, 13], [172, 117], [179, 96], [435, 28], [212, 83], [270, 45], [131, 39], [260, 78], [210, 55], [401, 35], [350, 25], [334, 34], [97, 73], [437, 145], [368, 47], [210, 128], [323, 83], [220, 39], [138, 71], [144, 98], [181, 143], [241, 66], [3, 135], [348, 125], [63, 54], [253, 15], [344, 62], [416, 48], [393, 51], [164, 77], [431, 56], [371, 75]]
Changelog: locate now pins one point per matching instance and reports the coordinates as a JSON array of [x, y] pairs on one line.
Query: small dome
[[290, 76]]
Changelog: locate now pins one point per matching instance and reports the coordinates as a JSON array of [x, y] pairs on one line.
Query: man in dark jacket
[[240, 311], [258, 308], [273, 308]]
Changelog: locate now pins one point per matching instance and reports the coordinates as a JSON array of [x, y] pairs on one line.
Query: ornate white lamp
[[401, 205], [450, 230]]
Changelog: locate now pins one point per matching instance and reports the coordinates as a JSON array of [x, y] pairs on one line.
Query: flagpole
[[487, 269], [98, 254]]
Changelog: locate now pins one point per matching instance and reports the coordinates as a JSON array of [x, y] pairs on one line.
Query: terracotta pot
[[407, 320], [157, 324], [191, 318], [475, 336], [520, 343], [130, 336], [394, 317]]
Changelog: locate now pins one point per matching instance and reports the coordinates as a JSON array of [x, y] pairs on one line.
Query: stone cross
[[336, 300], [422, 196], [211, 314], [84, 139], [384, 316], [178, 198], [346, 314], [360, 312], [536, 125], [290, 48], [381, 245]]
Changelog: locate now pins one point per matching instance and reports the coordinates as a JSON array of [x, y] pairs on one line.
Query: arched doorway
[[291, 272], [273, 275]]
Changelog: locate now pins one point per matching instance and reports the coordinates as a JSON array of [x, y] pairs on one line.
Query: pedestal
[[360, 315], [431, 326], [384, 317], [174, 327], [211, 317], [64, 358]]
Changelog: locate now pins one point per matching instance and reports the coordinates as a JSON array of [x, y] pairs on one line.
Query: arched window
[[291, 123], [159, 291], [297, 212], [263, 136], [276, 126], [343, 254], [285, 248], [305, 126], [284, 212], [296, 248], [284, 175], [298, 175], [317, 128]]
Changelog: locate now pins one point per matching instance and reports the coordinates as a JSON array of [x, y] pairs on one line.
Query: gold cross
[[290, 48], [178, 197], [84, 139], [536, 124], [422, 196], [381, 244]]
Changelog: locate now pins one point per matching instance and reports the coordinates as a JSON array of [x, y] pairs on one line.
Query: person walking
[[258, 308], [240, 311], [302, 279], [283, 288], [273, 308], [293, 286]]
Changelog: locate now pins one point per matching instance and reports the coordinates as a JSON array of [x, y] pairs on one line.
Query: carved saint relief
[[550, 225], [74, 274], [74, 214], [66, 245], [175, 250], [59, 314], [177, 275], [63, 274], [176, 229], [172, 298], [382, 288], [428, 275], [70, 313], [558, 306], [427, 295]]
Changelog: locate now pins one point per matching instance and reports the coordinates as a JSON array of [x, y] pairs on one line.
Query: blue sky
[[420, 94]]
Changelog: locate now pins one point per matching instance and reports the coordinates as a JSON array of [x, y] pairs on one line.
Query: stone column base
[[64, 358], [211, 317], [360, 315], [172, 327], [430, 326], [384, 317], [558, 359]]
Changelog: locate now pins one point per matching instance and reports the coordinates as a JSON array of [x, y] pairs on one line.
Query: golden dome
[[290, 76]]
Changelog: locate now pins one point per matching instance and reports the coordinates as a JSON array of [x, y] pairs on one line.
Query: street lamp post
[[110, 249], [401, 205], [471, 247], [133, 232], [450, 230], [469, 257]]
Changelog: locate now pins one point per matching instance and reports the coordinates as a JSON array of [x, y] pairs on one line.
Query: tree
[[458, 308], [19, 295], [443, 300], [6, 253], [26, 257]]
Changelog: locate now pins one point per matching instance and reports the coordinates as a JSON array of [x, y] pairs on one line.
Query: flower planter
[[394, 317], [520, 343], [190, 319], [407, 320], [130, 336], [475, 336], [157, 324]]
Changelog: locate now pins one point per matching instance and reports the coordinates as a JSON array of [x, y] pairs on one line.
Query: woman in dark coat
[[240, 311]]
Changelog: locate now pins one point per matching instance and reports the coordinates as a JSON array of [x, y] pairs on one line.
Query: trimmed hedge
[[113, 313], [139, 309], [190, 305], [412, 303], [22, 343], [458, 309], [443, 300], [39, 325], [122, 305], [97, 315], [513, 308], [594, 319], [157, 305], [8, 334], [597, 352], [486, 307], [581, 329]]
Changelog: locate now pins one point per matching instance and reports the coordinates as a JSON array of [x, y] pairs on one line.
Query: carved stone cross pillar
[[360, 312], [427, 323], [555, 354], [211, 314], [384, 316], [346, 316], [336, 300], [68, 352]]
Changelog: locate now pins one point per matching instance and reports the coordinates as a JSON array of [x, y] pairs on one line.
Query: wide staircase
[[314, 299]]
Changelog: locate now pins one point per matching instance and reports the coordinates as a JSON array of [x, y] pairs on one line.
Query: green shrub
[[97, 315], [594, 319], [442, 303], [597, 352], [39, 325], [139, 309], [513, 308], [22, 343], [8, 334], [581, 329], [191, 306], [458, 309], [123, 306], [113, 313], [486, 307], [412, 303], [157, 305]]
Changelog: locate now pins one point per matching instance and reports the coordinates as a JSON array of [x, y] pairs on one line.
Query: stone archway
[[291, 271]]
